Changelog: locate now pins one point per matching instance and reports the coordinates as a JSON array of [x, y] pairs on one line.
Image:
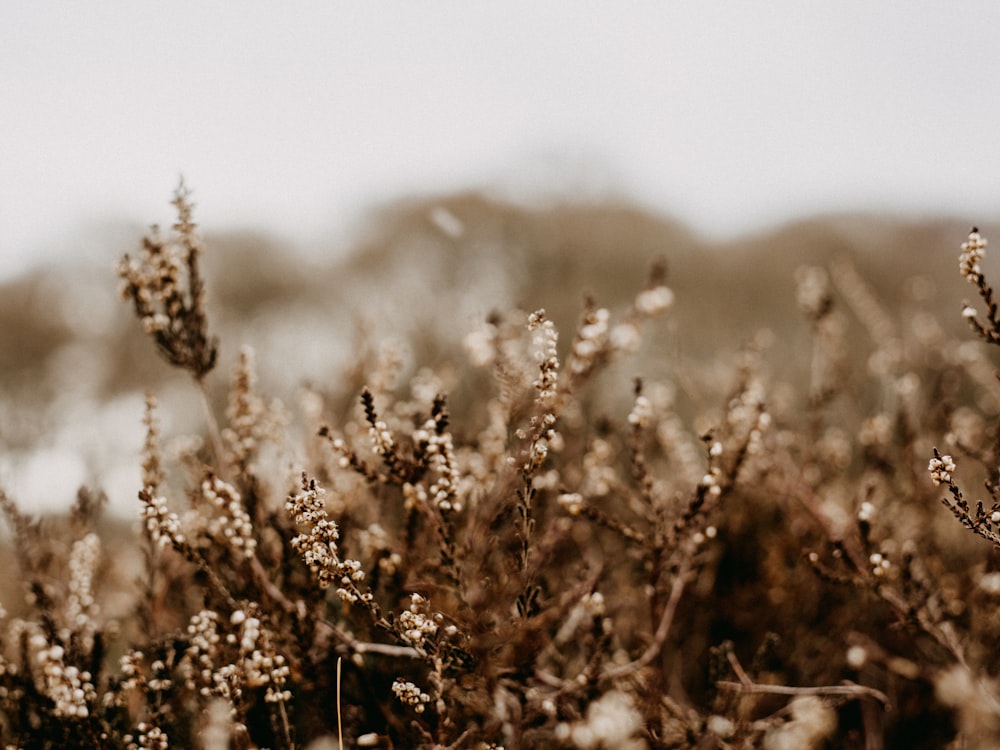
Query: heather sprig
[[167, 291], [252, 423], [969, 264], [317, 544]]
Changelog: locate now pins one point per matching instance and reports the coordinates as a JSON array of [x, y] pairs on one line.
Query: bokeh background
[[395, 170]]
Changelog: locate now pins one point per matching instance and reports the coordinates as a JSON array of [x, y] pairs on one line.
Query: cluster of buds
[[224, 664], [130, 669], [133, 678], [147, 737], [318, 545], [941, 468], [381, 437], [250, 420], [350, 574], [439, 447], [410, 695], [204, 644], [233, 524], [879, 564], [546, 340], [70, 689], [81, 608], [416, 626], [542, 438], [162, 525], [159, 677], [973, 250], [260, 665], [168, 294], [383, 443]]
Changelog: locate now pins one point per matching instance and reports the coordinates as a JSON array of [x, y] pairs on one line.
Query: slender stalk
[[214, 434], [847, 689], [666, 620], [340, 725]]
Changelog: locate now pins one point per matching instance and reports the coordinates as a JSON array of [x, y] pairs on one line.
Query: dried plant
[[535, 570], [168, 293]]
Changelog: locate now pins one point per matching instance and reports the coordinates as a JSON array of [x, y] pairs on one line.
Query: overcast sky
[[294, 117]]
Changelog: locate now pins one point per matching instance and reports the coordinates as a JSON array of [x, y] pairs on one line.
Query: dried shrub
[[535, 568]]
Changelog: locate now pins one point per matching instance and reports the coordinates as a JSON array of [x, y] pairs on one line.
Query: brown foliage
[[528, 545]]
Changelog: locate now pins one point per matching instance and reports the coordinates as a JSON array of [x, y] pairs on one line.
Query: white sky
[[294, 117]]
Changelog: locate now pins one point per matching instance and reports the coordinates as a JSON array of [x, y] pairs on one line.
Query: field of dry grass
[[567, 477]]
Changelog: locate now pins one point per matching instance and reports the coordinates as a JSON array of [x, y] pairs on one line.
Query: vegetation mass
[[645, 522]]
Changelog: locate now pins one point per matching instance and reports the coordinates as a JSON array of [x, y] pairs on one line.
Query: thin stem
[[340, 726], [214, 435], [747, 685], [848, 689], [666, 620]]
